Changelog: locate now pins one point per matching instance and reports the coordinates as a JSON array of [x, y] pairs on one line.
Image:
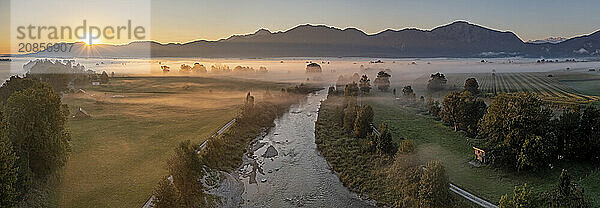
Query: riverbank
[[390, 180]]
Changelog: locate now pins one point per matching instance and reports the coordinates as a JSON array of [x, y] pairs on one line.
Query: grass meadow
[[434, 141], [119, 153]]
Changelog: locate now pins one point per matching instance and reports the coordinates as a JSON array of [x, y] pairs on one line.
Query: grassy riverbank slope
[[390, 180]]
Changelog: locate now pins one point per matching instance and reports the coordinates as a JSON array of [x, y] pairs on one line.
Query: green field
[[552, 86], [119, 153], [434, 141]]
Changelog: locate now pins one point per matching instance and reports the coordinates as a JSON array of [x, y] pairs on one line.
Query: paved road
[[471, 197], [149, 203]]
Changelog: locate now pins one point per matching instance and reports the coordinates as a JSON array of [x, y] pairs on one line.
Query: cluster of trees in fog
[[218, 68], [363, 83], [34, 141], [62, 75]]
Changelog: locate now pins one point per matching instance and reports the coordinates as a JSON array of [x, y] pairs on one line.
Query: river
[[298, 175]]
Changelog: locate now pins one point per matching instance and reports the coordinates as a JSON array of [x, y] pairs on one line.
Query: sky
[[189, 20]]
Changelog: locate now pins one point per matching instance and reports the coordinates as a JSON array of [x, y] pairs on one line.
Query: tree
[[199, 68], [382, 81], [450, 109], [249, 103], [472, 86], [184, 68], [566, 194], [433, 106], [408, 92], [463, 111], [365, 84], [406, 146], [590, 128], [104, 77], [187, 169], [351, 90], [165, 194], [313, 68], [384, 143], [567, 127], [355, 77], [350, 114], [8, 174], [516, 130], [15, 84], [522, 197], [434, 187], [437, 82], [364, 118], [36, 126], [341, 81]]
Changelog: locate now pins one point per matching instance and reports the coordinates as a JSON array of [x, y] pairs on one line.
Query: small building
[[479, 155], [95, 83]]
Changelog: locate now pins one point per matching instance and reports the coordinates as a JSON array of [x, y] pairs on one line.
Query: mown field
[[119, 153], [552, 86], [434, 141]]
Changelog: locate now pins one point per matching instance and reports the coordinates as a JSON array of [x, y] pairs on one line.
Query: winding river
[[298, 175]]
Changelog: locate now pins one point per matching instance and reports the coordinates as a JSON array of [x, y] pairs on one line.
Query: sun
[[89, 42]]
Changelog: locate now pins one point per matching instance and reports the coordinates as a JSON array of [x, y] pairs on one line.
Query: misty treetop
[[437, 82], [382, 81]]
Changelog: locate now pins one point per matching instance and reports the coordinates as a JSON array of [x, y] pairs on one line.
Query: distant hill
[[458, 39]]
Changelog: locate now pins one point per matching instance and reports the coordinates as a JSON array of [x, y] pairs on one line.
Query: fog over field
[[293, 69]]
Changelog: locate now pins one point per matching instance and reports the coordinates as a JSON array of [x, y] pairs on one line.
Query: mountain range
[[457, 39]]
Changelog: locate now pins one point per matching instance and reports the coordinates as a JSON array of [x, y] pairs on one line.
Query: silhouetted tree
[[199, 68], [408, 92], [472, 86], [433, 106], [104, 77], [351, 90], [384, 143], [350, 115], [436, 82], [364, 118], [382, 81], [365, 84]]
